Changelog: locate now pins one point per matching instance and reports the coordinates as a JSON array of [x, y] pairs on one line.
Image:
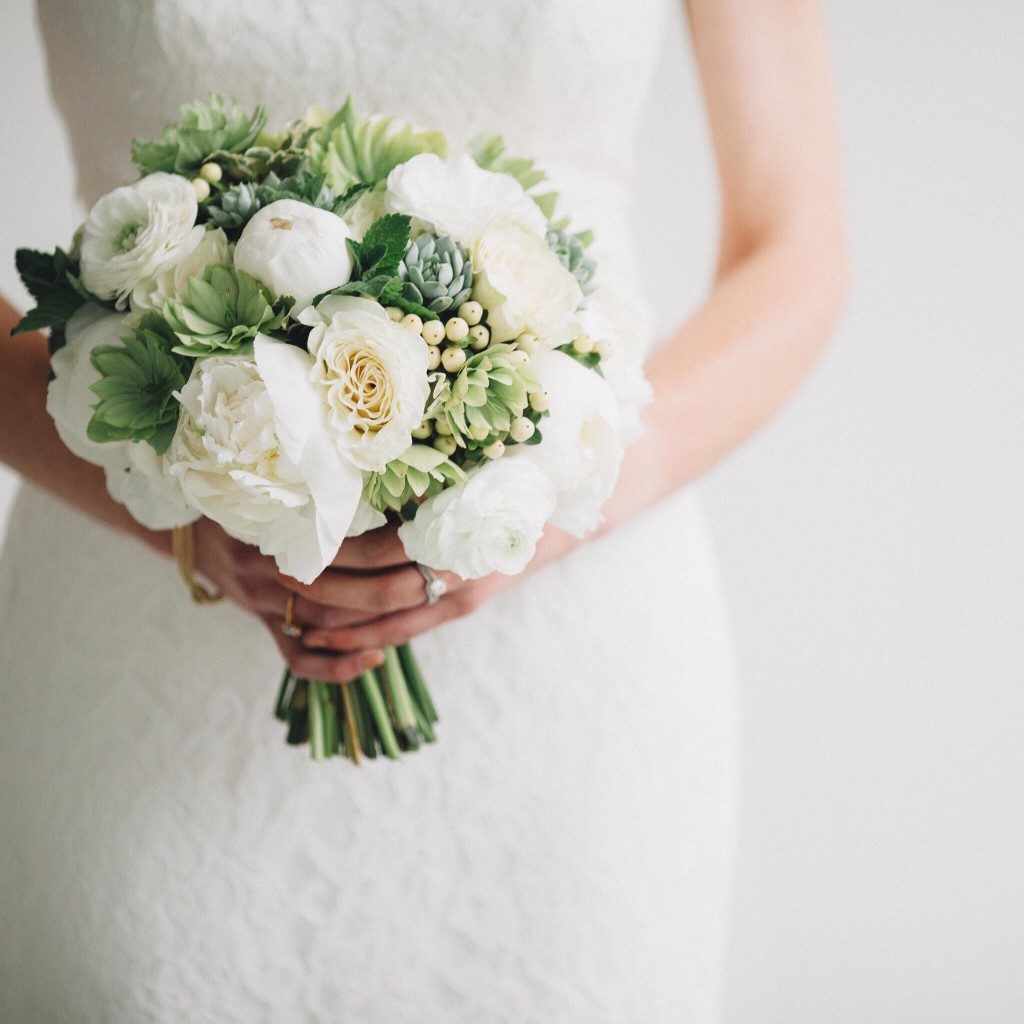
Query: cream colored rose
[[524, 287], [371, 374]]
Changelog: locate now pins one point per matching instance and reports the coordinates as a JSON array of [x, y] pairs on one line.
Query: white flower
[[295, 249], [371, 374], [622, 340], [581, 446], [136, 231], [489, 523], [366, 518], [211, 247], [524, 287], [253, 453], [459, 198], [364, 211], [136, 475]]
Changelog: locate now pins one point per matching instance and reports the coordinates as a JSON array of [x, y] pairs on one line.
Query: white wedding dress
[[562, 854]]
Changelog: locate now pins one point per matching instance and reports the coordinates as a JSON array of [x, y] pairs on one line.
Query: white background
[[870, 538]]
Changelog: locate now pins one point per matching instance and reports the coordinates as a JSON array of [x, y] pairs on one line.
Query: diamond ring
[[435, 587]]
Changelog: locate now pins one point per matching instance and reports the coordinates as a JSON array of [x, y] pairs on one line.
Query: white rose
[[136, 475], [135, 232], [211, 248], [622, 341], [371, 374], [459, 198], [295, 249], [524, 287], [253, 453], [489, 523], [581, 447]]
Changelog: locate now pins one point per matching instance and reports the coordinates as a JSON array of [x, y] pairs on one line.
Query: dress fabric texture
[[562, 854]]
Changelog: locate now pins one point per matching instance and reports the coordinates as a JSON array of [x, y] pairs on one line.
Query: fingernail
[[373, 659]]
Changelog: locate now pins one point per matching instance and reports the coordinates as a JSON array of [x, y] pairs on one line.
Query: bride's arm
[[778, 287]]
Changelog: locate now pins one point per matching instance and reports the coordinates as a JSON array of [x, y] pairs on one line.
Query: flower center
[[127, 237], [282, 223]]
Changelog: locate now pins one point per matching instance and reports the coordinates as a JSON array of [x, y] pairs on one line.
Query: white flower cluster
[[288, 436]]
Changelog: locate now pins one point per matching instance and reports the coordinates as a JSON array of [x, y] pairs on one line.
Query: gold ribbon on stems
[[183, 544]]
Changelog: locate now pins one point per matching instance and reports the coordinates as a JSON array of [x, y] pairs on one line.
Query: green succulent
[[353, 151], [436, 272], [222, 311], [233, 208], [418, 474], [490, 391], [136, 387], [214, 129], [489, 153], [571, 251]]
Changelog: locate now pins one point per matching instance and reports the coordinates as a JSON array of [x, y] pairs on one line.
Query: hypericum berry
[[433, 357], [472, 312], [394, 313], [422, 432], [445, 445], [496, 450], [453, 359], [522, 429], [442, 428], [582, 345], [517, 355], [479, 432], [479, 338], [539, 400], [201, 187], [412, 321], [456, 330], [433, 332], [211, 172], [527, 342]]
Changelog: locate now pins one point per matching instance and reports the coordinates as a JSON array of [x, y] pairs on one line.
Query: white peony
[[524, 287], [459, 198], [581, 449], [295, 249], [136, 475], [622, 340], [170, 283], [489, 523], [253, 453], [137, 231], [371, 374]]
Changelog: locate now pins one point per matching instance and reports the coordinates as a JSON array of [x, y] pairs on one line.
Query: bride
[[562, 854]]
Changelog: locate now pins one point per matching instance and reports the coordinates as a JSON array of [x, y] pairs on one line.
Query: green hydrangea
[[490, 391], [205, 130], [420, 473], [222, 311]]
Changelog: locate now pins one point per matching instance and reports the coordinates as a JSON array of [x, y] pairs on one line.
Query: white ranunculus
[[524, 287], [366, 518], [211, 248], [622, 340], [459, 198], [295, 249], [489, 523], [371, 374], [581, 447], [253, 453], [136, 475], [135, 232]]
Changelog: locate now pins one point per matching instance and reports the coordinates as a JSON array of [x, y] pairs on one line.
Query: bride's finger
[[333, 667], [378, 549]]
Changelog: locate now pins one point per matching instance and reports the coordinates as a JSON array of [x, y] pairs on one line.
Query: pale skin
[[778, 287]]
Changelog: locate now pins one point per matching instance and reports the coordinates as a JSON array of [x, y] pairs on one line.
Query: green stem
[[298, 714], [417, 684], [379, 713], [401, 701]]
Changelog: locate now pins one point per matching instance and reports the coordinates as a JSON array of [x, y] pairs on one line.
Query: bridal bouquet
[[307, 334]]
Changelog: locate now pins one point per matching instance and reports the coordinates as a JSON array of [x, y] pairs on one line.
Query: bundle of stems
[[386, 711]]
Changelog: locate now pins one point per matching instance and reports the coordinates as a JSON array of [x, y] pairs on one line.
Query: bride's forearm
[[30, 445]]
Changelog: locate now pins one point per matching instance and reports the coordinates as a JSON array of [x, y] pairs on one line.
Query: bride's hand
[[374, 597], [252, 581]]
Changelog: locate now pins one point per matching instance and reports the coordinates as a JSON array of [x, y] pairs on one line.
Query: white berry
[[527, 342], [582, 345], [456, 329], [453, 359], [433, 332], [539, 400], [517, 355], [433, 357], [522, 429], [441, 426], [211, 172], [201, 187], [394, 313], [496, 450], [422, 432], [413, 322], [471, 312], [479, 432], [479, 337], [445, 445]]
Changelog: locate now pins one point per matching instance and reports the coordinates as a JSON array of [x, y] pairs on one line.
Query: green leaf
[[382, 247], [58, 293]]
